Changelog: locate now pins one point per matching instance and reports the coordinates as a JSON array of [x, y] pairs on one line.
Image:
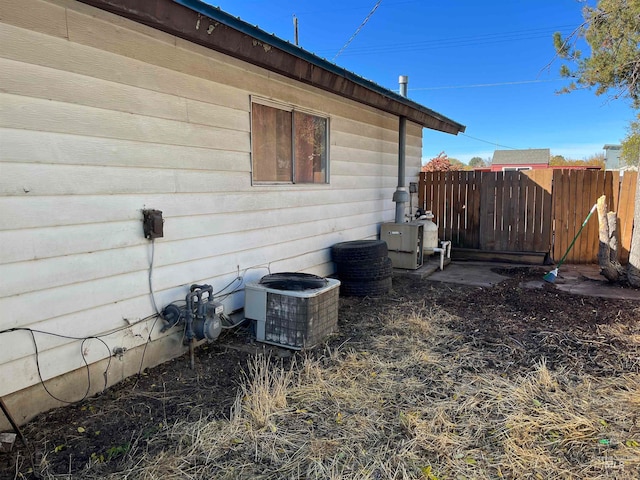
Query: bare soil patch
[[434, 381]]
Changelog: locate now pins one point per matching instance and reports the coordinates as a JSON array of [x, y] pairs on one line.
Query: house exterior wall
[[102, 117]]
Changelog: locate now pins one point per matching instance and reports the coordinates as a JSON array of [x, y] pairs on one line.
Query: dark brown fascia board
[[212, 28]]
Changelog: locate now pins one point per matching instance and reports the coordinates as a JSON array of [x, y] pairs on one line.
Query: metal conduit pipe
[[401, 195]]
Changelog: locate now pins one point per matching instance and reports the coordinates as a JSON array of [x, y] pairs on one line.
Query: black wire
[[84, 359], [238, 278], [487, 141], [153, 300], [146, 344], [364, 22], [42, 382], [155, 307], [70, 337], [228, 294], [84, 339], [33, 331], [241, 279]]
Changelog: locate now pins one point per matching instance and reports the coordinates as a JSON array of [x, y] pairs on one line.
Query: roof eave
[[212, 28]]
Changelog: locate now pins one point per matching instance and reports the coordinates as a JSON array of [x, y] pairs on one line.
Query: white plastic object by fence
[[445, 251]]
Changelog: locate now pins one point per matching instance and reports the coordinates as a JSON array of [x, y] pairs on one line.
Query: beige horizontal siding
[[29, 146], [32, 47], [43, 212], [78, 260], [50, 116], [227, 253], [45, 179], [38, 15], [16, 77]]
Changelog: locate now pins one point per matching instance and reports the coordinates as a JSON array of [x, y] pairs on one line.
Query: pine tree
[[612, 31]]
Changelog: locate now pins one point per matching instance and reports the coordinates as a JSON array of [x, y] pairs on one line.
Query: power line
[[349, 9], [375, 7], [463, 41], [490, 143], [478, 85]]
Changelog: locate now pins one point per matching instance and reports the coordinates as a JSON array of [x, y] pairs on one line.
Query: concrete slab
[[477, 274], [586, 280], [578, 279]]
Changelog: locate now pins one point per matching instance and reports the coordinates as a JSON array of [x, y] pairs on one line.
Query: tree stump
[[608, 244]]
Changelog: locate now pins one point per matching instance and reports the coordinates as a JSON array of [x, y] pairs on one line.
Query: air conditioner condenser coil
[[293, 317]]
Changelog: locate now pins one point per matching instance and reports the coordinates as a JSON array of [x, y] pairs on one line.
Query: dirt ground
[[513, 327]]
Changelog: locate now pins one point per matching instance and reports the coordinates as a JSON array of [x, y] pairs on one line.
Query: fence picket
[[626, 212], [473, 210]]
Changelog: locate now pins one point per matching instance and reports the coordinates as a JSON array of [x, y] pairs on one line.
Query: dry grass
[[408, 405]]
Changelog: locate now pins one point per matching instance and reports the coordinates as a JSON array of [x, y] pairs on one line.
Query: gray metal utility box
[[404, 241]]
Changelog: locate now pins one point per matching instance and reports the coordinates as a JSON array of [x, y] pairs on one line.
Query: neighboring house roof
[[608, 146], [210, 27], [531, 156]]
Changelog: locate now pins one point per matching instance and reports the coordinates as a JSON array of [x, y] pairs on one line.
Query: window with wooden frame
[[288, 145]]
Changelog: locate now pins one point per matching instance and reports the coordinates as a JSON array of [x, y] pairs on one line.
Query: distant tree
[[456, 164], [630, 153], [595, 160], [612, 30], [477, 162], [557, 160], [442, 163]]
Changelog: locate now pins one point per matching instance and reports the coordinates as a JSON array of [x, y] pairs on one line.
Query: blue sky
[[481, 63]]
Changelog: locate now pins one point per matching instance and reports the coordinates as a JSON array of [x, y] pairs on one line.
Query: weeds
[[413, 401]]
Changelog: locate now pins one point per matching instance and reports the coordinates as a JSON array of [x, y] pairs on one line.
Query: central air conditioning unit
[[293, 310]]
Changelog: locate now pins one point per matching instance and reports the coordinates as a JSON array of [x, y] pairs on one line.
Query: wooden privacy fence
[[528, 211]]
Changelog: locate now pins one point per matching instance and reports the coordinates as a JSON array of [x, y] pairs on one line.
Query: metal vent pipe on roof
[[401, 195], [403, 80]]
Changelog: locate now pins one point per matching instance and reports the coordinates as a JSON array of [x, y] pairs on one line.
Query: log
[[610, 268], [612, 222]]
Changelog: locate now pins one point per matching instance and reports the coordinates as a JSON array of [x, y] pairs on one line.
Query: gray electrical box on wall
[[152, 224], [404, 241]]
